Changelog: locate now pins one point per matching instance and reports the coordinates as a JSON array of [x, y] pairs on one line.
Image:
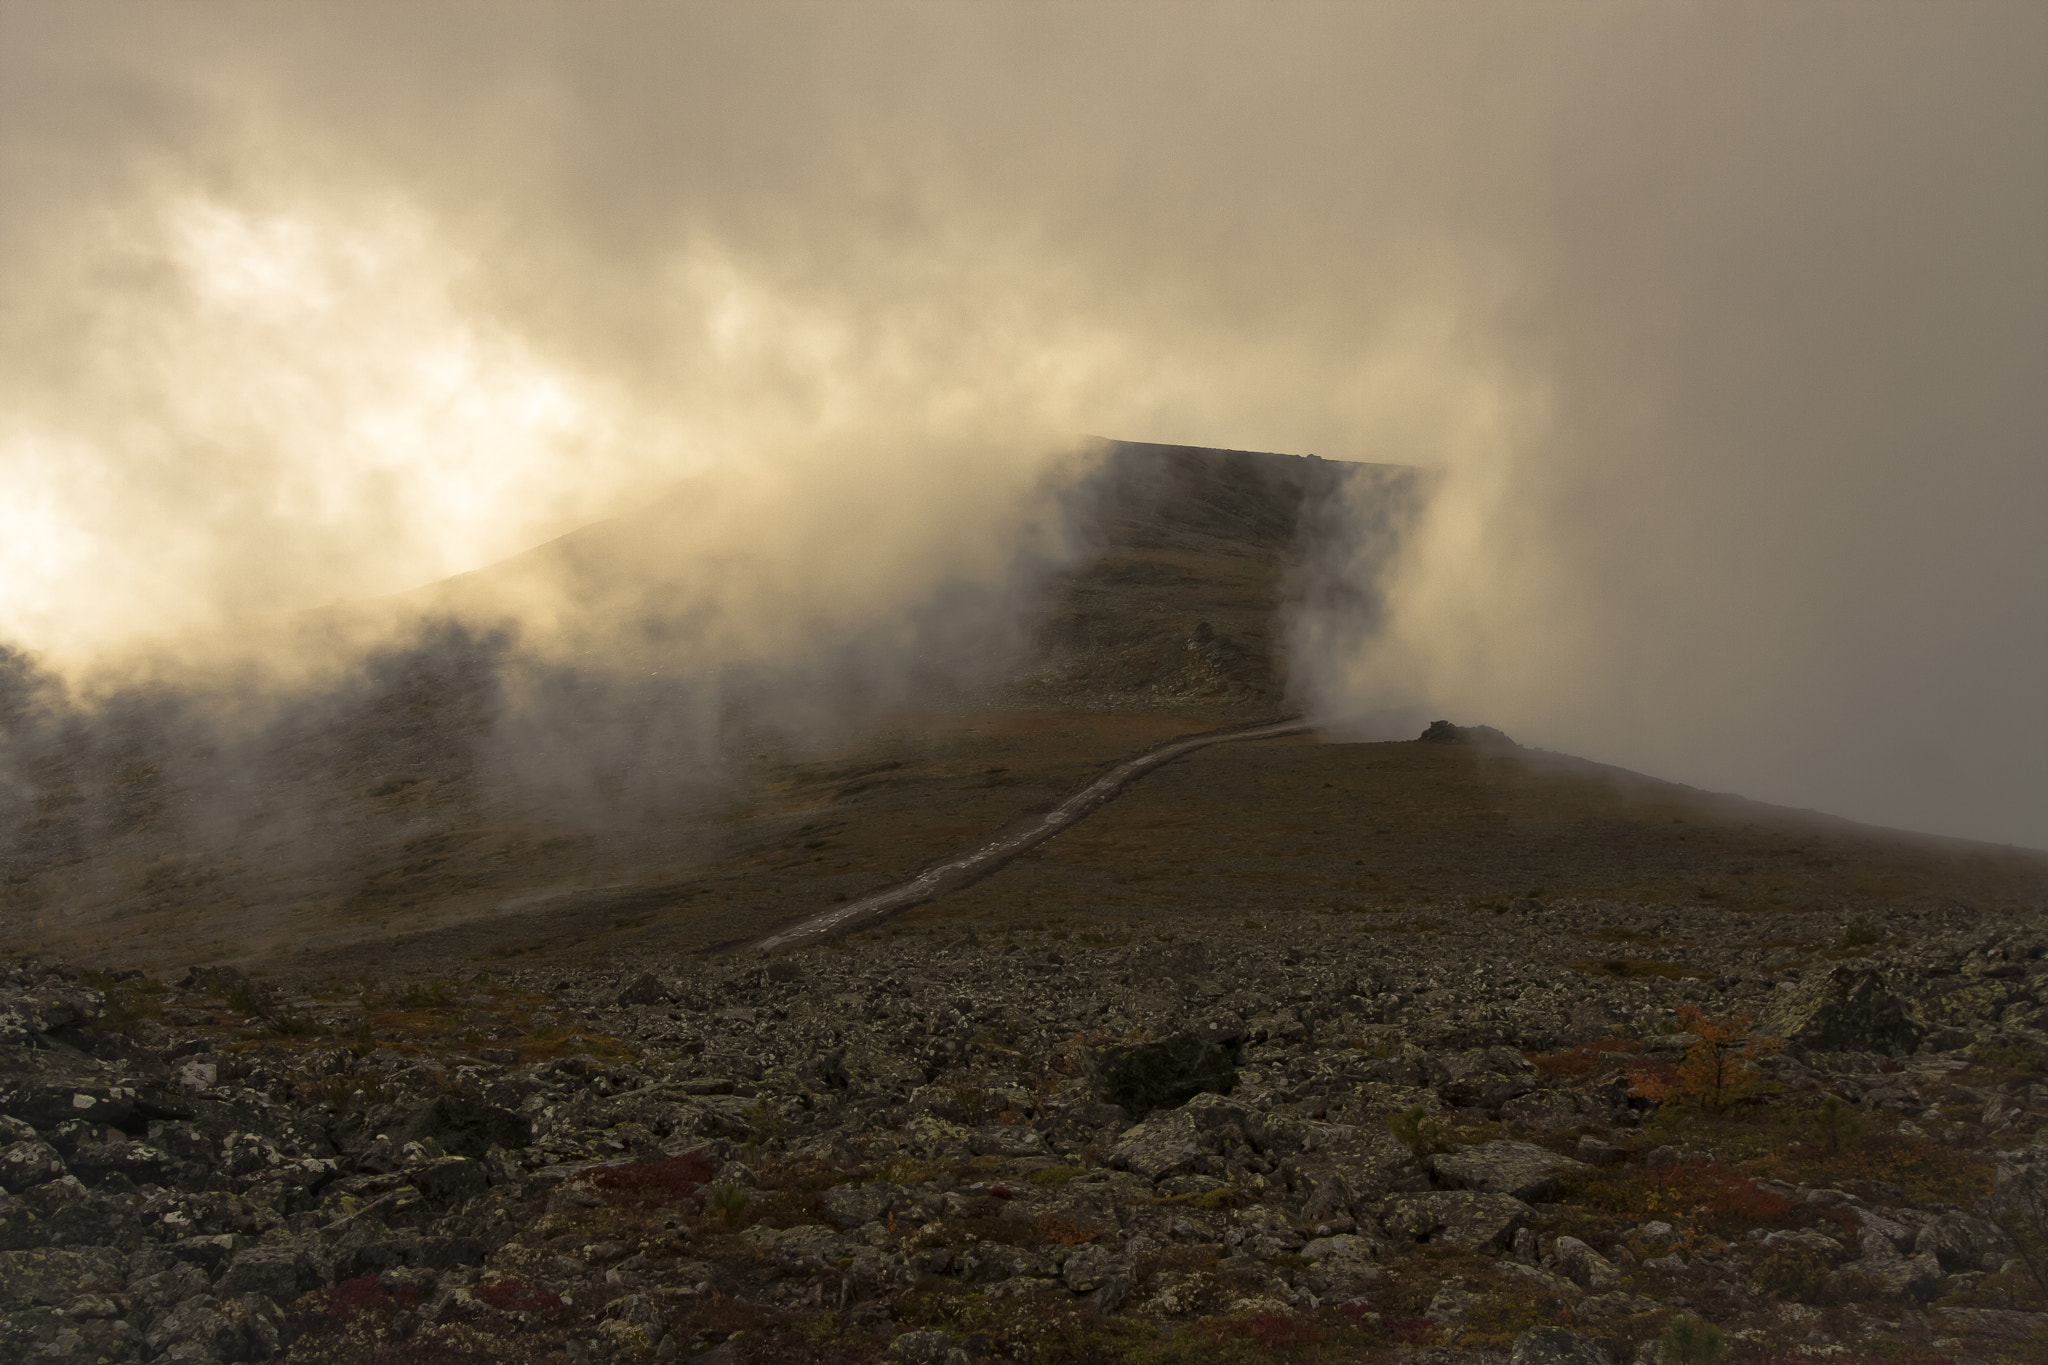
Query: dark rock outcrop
[[1141, 1077], [1842, 1008]]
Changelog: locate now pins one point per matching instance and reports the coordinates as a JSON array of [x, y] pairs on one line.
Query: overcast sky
[[1725, 325]]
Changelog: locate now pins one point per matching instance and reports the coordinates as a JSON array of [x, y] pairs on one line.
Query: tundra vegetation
[[1469, 1141]]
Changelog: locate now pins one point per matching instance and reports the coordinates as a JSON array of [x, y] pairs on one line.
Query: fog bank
[[1718, 327]]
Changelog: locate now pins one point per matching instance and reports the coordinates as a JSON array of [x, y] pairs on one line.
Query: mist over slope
[[591, 712], [1717, 327]]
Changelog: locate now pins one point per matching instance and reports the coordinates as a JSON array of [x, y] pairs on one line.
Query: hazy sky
[[1726, 326]]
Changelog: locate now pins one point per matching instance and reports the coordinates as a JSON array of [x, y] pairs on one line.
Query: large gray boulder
[[55, 1276], [1546, 1111], [1341, 1165], [852, 1206], [1962, 1242], [1896, 1279], [195, 1329], [53, 1006], [1475, 1222], [1842, 1008], [1088, 1268], [1336, 1264], [1521, 1169], [1184, 1141], [276, 1270]]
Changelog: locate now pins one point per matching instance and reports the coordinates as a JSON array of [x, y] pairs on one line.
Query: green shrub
[[1414, 1129], [1861, 934], [1792, 1275], [1689, 1341], [728, 1201], [431, 995], [261, 1003], [1836, 1126], [129, 1004], [363, 1042]]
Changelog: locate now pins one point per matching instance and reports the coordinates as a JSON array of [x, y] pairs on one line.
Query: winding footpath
[[977, 863]]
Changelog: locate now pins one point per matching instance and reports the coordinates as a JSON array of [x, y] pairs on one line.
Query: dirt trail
[[972, 866]]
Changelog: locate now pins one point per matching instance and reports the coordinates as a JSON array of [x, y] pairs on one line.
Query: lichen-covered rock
[[1895, 1278], [94, 1161], [1520, 1169], [1842, 1008], [27, 1164], [1005, 1140], [1583, 1266], [1543, 1111], [1087, 1268], [926, 1348], [1475, 1222], [851, 1206], [197, 1329], [1339, 1264], [55, 1276], [1189, 1139], [1557, 1346], [54, 1005], [279, 1271]]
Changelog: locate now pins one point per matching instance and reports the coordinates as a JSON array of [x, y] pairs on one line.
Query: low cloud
[[1716, 332]]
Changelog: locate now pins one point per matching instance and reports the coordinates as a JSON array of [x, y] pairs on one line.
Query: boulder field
[[1483, 1138]]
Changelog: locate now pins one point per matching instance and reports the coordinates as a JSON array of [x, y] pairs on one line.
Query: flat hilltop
[[1391, 834]]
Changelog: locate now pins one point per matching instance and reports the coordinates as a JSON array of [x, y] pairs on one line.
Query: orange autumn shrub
[[1716, 1069]]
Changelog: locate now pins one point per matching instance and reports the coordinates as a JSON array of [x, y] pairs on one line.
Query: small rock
[[24, 1165], [1557, 1346], [644, 990], [1584, 1266], [924, 1348]]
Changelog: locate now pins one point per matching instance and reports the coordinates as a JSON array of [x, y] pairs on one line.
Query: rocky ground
[[1534, 1131]]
